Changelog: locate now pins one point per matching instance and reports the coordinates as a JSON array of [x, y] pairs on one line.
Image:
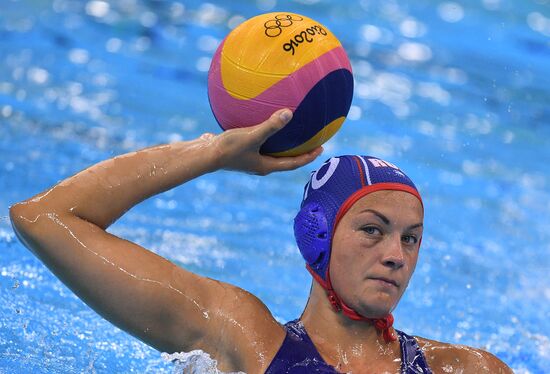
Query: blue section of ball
[[328, 100]]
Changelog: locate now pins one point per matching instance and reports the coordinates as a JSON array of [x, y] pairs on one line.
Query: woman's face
[[374, 251]]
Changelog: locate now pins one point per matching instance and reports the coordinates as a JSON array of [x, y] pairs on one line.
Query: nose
[[393, 254]]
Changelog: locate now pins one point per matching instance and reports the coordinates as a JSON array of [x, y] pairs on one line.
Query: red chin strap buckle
[[385, 324]]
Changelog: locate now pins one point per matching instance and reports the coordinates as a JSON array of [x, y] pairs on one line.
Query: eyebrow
[[386, 220]]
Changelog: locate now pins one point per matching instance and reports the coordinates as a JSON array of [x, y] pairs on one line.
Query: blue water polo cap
[[330, 192]]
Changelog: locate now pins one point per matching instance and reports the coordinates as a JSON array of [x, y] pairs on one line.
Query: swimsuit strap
[[413, 360], [298, 354]]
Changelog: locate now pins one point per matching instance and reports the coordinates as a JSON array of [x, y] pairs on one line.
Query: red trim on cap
[[352, 199]]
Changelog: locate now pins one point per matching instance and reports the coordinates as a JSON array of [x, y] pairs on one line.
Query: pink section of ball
[[287, 93]]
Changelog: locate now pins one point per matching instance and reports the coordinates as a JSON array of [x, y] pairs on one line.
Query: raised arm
[[162, 304]]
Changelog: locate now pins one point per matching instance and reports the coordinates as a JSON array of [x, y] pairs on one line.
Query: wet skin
[[173, 310]]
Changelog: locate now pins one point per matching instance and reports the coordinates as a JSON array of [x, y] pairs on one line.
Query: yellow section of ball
[[265, 49]]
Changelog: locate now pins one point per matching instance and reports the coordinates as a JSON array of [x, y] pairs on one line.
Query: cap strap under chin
[[381, 324]]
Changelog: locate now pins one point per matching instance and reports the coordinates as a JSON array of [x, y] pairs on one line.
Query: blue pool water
[[456, 94]]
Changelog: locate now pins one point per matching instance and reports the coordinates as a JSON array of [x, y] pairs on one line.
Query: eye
[[409, 239], [371, 230]]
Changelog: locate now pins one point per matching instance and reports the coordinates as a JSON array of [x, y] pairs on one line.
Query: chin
[[376, 312], [377, 308]]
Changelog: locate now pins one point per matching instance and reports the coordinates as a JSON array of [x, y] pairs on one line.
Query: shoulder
[[460, 358], [247, 330], [263, 335]]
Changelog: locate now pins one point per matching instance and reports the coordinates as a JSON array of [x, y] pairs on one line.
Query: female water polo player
[[359, 229]]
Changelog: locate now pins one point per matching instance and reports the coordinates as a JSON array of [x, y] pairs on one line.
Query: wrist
[[210, 151]]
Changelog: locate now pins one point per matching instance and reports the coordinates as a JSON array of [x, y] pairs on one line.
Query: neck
[[341, 340]]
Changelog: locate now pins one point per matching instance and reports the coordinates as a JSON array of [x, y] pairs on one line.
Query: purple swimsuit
[[298, 355]]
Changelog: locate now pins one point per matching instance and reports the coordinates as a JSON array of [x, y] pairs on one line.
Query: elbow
[[19, 220], [17, 214], [27, 225], [24, 217], [25, 214]]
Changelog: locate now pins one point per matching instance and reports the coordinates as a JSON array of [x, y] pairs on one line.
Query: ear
[[313, 237]]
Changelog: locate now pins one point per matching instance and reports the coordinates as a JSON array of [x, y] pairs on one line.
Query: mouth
[[385, 281]]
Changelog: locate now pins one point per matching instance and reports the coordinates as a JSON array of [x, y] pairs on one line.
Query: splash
[[194, 362]]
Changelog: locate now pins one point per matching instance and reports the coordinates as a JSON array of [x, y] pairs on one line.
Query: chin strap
[[382, 324]]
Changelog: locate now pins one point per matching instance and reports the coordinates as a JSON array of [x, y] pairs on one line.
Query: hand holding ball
[[282, 60]]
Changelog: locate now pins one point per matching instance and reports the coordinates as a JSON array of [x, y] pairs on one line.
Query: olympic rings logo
[[274, 27]]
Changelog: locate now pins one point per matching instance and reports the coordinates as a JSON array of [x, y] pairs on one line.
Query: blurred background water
[[455, 93]]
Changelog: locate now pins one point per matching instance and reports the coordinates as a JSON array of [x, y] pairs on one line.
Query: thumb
[[277, 121]]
